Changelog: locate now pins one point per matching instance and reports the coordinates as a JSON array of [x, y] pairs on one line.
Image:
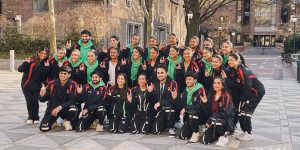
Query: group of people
[[202, 93]]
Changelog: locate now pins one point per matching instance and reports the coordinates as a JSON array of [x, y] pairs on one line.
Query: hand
[[27, 59], [60, 64], [68, 44], [84, 112], [173, 93], [47, 63], [81, 67], [182, 112], [178, 66], [182, 46], [161, 46], [203, 98], [123, 62], [196, 69], [223, 74], [102, 64], [104, 50], [43, 91], [144, 65], [162, 60], [79, 89], [129, 96], [156, 105], [150, 88], [108, 92], [55, 111]]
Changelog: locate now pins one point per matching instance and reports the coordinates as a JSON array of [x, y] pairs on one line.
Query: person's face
[[135, 40], [95, 79], [172, 40], [135, 54], [232, 62], [207, 44], [42, 55], [75, 56], [60, 54], [152, 42], [216, 63], [190, 81], [161, 74], [85, 38], [121, 80], [217, 85], [187, 55], [142, 80], [113, 42], [113, 54], [153, 54], [91, 57], [64, 76], [173, 53], [207, 54], [193, 43], [226, 48]]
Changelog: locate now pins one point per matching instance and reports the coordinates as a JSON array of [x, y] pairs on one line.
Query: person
[[220, 121], [196, 51], [93, 95], [78, 67], [250, 90], [205, 69], [61, 96], [152, 63], [56, 62], [165, 50], [172, 61], [227, 48], [34, 70], [208, 43], [141, 99], [152, 42], [91, 64], [166, 102], [192, 113], [114, 43], [135, 41], [117, 96], [84, 45]]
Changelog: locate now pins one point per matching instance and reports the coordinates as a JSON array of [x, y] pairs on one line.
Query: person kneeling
[[60, 95]]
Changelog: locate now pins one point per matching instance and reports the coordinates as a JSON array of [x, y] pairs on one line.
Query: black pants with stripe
[[141, 122], [165, 119], [86, 121], [32, 104]]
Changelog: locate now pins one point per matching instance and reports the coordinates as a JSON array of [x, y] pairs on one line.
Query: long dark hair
[[116, 38], [121, 91], [224, 89], [36, 58]]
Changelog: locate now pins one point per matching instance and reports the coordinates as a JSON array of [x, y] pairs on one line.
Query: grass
[[5, 55]]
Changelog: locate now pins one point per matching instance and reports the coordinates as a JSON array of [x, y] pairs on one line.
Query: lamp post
[[190, 16], [220, 29], [233, 37], [294, 20]]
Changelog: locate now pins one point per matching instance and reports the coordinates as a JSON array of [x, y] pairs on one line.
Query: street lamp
[[294, 20], [190, 16], [220, 29], [233, 35]]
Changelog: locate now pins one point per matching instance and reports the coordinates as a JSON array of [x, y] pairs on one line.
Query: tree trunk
[[52, 27]]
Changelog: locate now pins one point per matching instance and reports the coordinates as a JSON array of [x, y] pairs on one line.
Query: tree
[[52, 27], [147, 7]]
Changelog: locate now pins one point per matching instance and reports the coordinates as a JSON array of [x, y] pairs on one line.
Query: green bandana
[[225, 59], [189, 100], [56, 58], [85, 48], [171, 66], [208, 66], [101, 83], [90, 69], [134, 68], [74, 65]]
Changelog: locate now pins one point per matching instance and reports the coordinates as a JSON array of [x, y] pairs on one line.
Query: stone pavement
[[276, 122]]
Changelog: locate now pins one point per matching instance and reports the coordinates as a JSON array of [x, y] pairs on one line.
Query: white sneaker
[[245, 137], [223, 141], [67, 125], [29, 122], [99, 127], [237, 133], [178, 125], [195, 137], [172, 131], [36, 122]]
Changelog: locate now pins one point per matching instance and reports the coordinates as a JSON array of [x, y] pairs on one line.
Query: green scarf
[[131, 48], [85, 48], [90, 69], [148, 53], [225, 59], [208, 66], [74, 65], [134, 68], [171, 66], [101, 83], [189, 100], [56, 58]]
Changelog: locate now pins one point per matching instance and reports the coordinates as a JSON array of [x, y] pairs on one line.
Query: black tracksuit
[[33, 75], [94, 101], [197, 55], [77, 75], [205, 81], [58, 95], [54, 69], [180, 73], [127, 69], [151, 71], [119, 69], [241, 58], [77, 46], [251, 91]]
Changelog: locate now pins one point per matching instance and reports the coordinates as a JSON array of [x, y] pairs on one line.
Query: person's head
[[96, 77], [92, 57], [161, 72], [217, 61], [208, 43], [136, 53], [207, 53], [194, 42], [152, 41], [61, 52], [121, 80], [142, 79], [233, 60], [227, 47], [187, 53], [114, 41], [191, 79], [174, 51], [114, 53], [64, 73], [75, 55], [42, 54], [173, 39], [219, 84], [135, 39], [154, 52], [85, 36]]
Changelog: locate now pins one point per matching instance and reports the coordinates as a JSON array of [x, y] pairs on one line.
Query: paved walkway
[[276, 122]]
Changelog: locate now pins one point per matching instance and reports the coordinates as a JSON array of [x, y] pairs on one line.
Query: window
[[128, 3], [221, 20], [239, 5], [0, 6], [239, 20], [161, 33], [133, 28], [113, 1], [40, 6]]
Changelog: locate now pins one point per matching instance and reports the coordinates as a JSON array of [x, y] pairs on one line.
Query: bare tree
[[52, 27], [147, 7]]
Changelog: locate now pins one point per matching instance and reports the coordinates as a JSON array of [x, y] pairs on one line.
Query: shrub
[[289, 44]]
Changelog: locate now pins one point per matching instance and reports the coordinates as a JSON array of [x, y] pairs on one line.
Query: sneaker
[[237, 133], [36, 122], [223, 141], [29, 122], [67, 125], [178, 125], [172, 131], [99, 127], [195, 137], [245, 137]]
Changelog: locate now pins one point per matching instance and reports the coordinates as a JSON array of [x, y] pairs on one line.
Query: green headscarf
[[134, 68], [74, 65], [90, 69], [208, 66], [189, 100], [84, 48], [148, 53], [56, 58], [101, 83], [225, 59], [131, 48], [171, 66]]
